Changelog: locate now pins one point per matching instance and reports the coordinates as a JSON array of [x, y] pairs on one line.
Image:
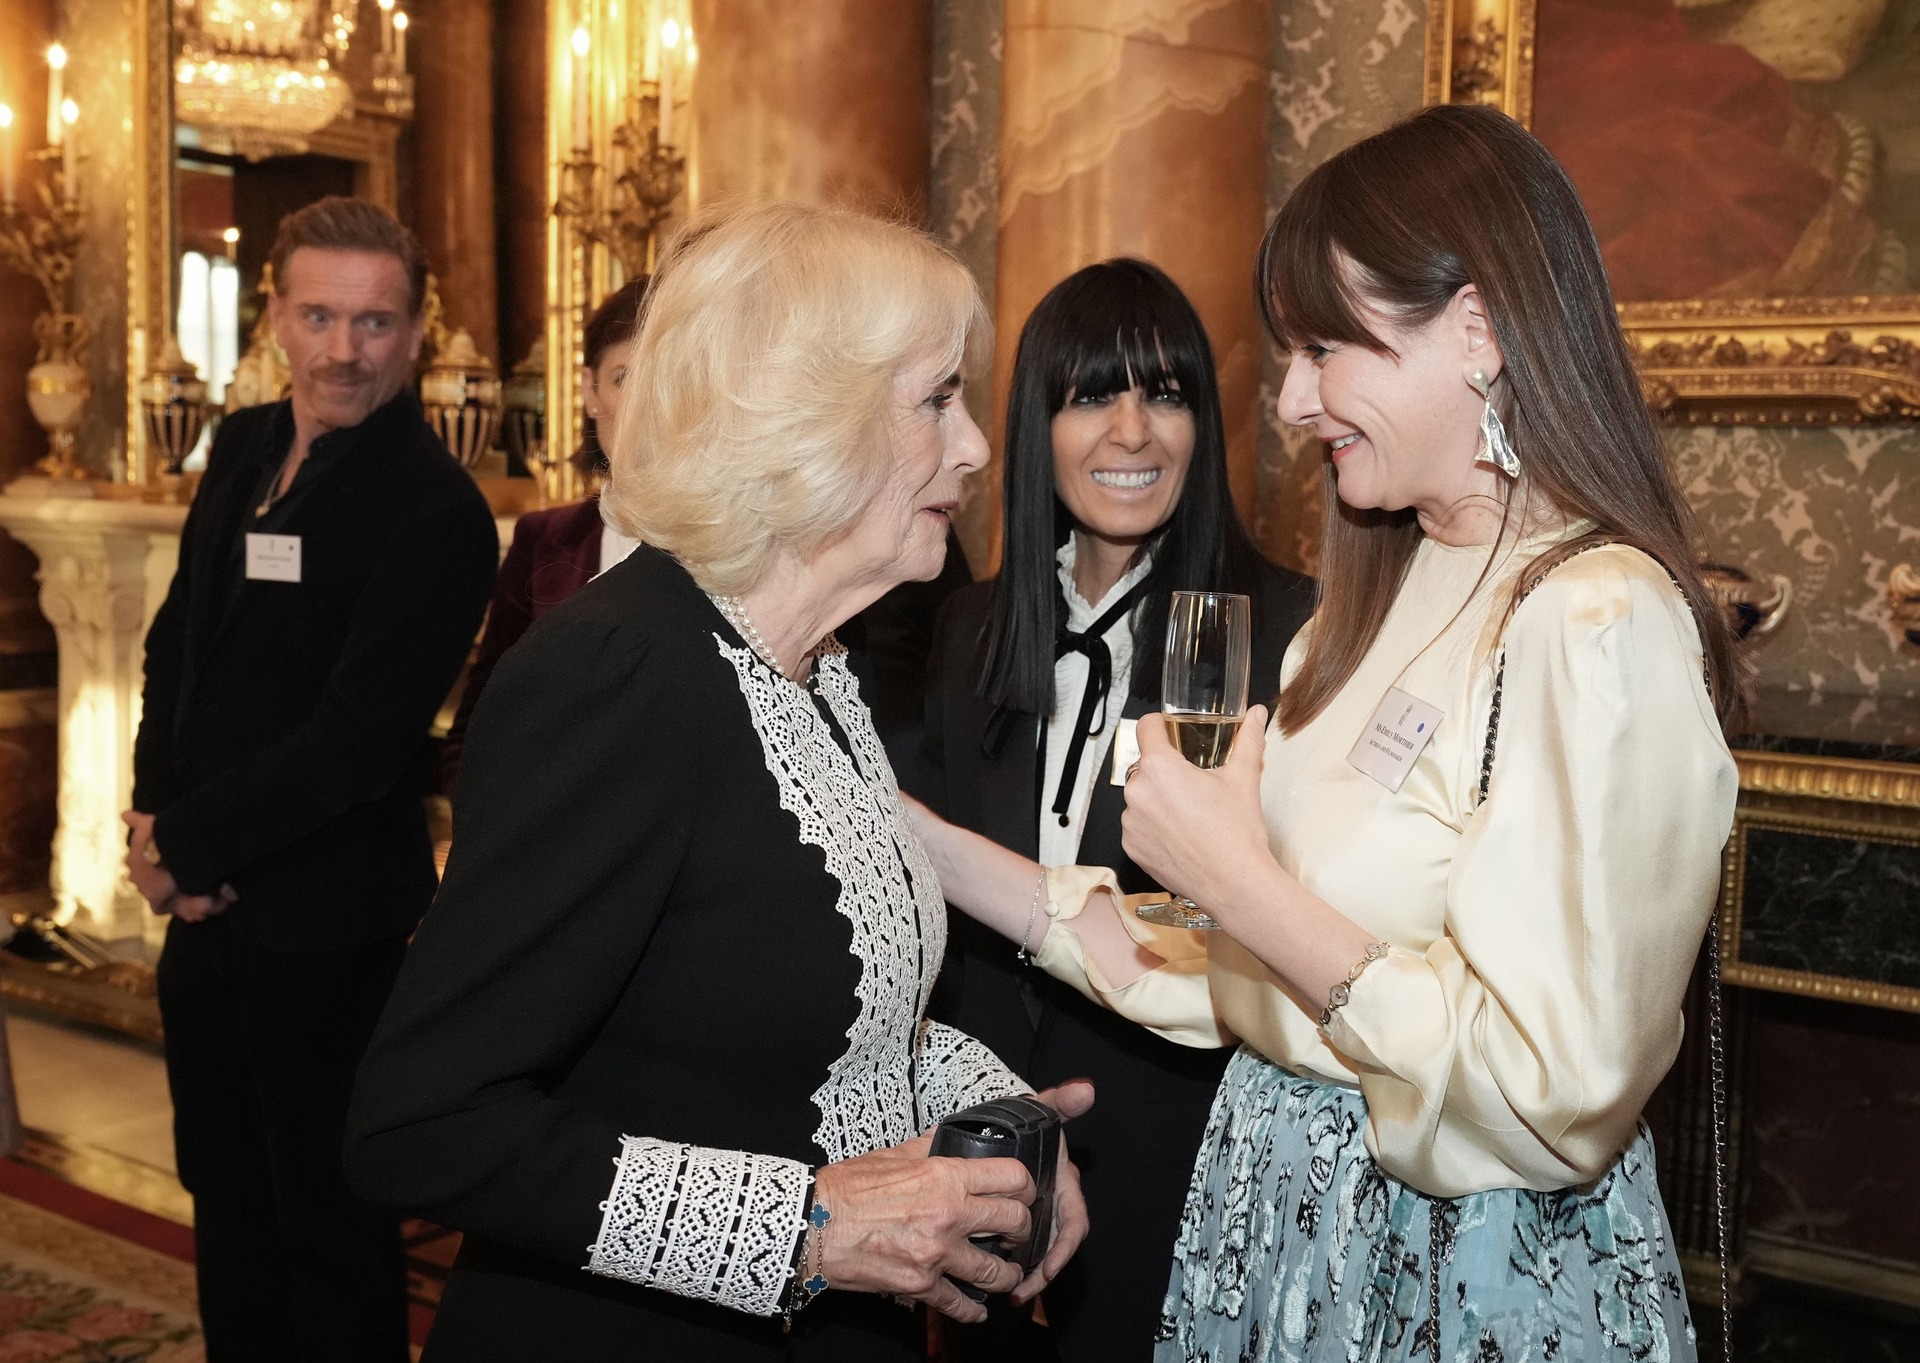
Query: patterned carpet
[[84, 1279]]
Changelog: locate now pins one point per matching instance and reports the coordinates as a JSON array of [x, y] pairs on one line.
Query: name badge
[[273, 558], [1126, 751], [1394, 738]]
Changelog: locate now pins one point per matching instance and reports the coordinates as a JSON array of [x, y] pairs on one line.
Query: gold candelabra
[[646, 180], [43, 244]]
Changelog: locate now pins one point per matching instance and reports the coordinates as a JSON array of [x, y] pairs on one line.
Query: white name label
[[273, 558], [1394, 738], [1126, 750]]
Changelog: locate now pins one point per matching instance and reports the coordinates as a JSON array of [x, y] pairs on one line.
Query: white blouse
[[1060, 844], [1541, 942]]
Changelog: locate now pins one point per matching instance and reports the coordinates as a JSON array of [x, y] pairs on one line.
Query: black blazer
[[1136, 1147], [633, 938], [283, 722]]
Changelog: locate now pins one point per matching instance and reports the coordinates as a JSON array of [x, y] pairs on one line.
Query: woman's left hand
[[1069, 1099], [1197, 832]]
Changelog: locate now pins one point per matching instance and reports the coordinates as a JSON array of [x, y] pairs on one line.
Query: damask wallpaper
[[1342, 70], [1831, 510]]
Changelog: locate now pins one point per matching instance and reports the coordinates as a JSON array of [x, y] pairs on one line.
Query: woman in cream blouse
[[1463, 881]]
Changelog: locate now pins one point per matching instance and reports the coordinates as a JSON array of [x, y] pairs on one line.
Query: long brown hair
[[1458, 195]]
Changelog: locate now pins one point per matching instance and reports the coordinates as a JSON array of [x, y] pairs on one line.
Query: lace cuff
[[713, 1225], [955, 1072]]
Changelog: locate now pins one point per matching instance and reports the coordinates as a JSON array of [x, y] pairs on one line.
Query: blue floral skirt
[[1295, 1246]]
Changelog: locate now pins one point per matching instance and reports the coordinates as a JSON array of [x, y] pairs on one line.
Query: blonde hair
[[755, 417]]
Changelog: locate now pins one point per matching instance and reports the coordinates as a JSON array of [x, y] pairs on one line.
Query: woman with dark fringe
[[1463, 875], [1116, 495]]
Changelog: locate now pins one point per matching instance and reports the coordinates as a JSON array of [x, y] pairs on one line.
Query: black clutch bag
[[1009, 1128]]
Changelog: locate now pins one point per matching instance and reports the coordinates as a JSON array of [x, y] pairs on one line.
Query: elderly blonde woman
[[659, 1049]]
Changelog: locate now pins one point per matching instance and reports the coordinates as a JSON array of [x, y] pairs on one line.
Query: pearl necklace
[[735, 611]]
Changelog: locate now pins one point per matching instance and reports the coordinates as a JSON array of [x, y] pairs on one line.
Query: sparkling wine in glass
[[1203, 694]]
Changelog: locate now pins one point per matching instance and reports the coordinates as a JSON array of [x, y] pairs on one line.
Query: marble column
[[104, 570], [825, 102], [520, 166], [451, 48], [1138, 127]]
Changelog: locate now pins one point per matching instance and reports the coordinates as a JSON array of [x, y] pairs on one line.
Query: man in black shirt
[[333, 571]]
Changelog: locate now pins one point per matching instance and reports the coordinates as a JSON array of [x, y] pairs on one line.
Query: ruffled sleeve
[[1520, 1047]]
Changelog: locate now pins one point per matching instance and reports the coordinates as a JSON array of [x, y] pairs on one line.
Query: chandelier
[[258, 71]]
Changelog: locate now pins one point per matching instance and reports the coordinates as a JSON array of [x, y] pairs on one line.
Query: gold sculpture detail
[[1751, 610], [1903, 594]]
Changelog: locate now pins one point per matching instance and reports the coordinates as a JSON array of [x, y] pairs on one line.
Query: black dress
[[682, 952], [1135, 1149]]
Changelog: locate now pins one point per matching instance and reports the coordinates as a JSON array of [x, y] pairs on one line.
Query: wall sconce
[[43, 244]]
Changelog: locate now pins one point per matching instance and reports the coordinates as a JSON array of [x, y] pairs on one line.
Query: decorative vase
[[173, 401], [461, 396], [57, 393], [523, 401]]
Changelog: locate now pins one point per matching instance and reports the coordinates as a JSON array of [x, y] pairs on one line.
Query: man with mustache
[[333, 571]]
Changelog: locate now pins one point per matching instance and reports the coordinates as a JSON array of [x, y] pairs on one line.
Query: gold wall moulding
[[1844, 779], [1790, 360], [1843, 799]]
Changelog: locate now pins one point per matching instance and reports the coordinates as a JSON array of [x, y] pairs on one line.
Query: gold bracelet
[[1338, 995]]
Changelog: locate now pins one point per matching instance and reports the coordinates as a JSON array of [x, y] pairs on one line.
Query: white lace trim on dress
[[849, 807], [714, 1225], [956, 1071]]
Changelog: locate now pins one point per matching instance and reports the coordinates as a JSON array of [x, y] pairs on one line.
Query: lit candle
[[6, 156], [56, 65], [69, 115], [580, 126], [669, 58], [386, 26], [400, 22]]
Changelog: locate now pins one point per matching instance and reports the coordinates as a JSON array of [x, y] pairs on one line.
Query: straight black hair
[[1102, 330]]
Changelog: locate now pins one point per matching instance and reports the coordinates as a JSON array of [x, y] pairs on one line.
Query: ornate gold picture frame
[[1817, 360], [1836, 808]]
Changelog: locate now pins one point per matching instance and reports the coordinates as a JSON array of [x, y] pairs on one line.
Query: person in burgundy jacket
[[558, 550]]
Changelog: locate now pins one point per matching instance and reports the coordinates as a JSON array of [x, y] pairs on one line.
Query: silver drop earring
[[1495, 448]]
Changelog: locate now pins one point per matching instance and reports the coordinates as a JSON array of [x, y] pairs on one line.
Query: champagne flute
[[1203, 694]]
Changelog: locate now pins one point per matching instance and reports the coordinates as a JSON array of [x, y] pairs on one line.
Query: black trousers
[[262, 1046]]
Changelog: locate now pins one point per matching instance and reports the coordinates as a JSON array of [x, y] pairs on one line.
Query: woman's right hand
[[900, 1224]]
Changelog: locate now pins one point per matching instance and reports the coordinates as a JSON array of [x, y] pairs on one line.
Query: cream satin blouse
[[1542, 942]]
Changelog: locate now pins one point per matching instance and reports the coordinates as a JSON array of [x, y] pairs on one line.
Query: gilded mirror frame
[[150, 212], [1831, 797], [1758, 361]]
